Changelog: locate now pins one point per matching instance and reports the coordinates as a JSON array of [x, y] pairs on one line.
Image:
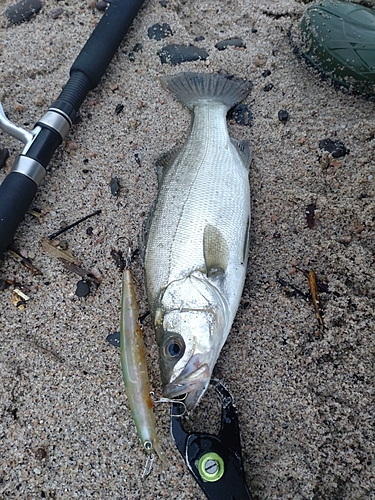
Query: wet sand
[[305, 397]]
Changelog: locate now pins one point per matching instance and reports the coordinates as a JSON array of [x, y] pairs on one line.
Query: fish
[[196, 247], [134, 369]]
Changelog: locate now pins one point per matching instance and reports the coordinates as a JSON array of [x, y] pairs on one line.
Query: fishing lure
[[134, 369]]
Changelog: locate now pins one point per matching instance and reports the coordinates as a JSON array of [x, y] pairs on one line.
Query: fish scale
[[196, 253]]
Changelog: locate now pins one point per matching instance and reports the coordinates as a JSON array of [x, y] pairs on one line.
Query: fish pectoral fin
[[243, 149], [164, 162], [215, 251]]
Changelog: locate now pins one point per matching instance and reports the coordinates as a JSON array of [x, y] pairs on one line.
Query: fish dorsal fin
[[243, 149], [215, 251], [164, 162]]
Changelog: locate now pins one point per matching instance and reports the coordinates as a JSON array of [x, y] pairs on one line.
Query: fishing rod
[[21, 184]]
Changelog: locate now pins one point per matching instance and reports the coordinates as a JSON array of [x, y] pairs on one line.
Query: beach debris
[[336, 148], [337, 39], [230, 42], [118, 257], [23, 10], [310, 215], [283, 115], [19, 299], [176, 54], [69, 226], [4, 155], [57, 252], [115, 186], [241, 114], [119, 108], [159, 31], [83, 289], [268, 87], [25, 261], [315, 285], [92, 276]]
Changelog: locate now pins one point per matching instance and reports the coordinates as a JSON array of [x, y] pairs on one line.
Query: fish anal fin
[[164, 162], [215, 251], [243, 149]]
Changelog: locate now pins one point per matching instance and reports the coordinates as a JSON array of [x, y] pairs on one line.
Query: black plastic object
[[338, 39], [214, 461], [17, 190]]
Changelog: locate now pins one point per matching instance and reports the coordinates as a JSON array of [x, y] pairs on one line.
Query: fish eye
[[173, 348]]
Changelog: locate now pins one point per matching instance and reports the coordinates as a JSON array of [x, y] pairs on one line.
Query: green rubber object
[[338, 39]]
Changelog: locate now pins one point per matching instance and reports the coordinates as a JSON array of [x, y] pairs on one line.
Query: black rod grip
[[16, 194], [100, 48]]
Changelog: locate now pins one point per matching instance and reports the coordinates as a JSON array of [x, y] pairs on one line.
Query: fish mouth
[[191, 382]]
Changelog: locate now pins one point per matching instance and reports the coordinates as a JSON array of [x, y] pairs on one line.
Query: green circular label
[[211, 467]]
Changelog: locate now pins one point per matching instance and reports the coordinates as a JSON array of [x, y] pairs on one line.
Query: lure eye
[[174, 348]]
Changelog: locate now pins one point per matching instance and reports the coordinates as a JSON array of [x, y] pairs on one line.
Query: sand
[[305, 397]]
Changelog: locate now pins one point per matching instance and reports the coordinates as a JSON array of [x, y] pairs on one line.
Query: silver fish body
[[197, 244]]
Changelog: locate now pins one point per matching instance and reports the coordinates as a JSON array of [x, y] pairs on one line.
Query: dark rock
[[115, 186], [114, 339], [337, 148], [101, 5], [119, 108], [159, 31], [23, 10], [131, 57], [283, 115], [199, 38], [83, 289], [177, 54], [268, 87], [241, 114], [163, 3], [231, 42], [266, 73], [138, 47]]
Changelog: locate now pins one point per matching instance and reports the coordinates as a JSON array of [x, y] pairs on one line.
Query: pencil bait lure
[[134, 369]]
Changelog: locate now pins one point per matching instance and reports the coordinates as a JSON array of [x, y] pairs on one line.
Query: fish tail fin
[[194, 88]]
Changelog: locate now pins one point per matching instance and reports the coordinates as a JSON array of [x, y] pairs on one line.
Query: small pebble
[[83, 289], [72, 145], [101, 5], [23, 10], [230, 42], [89, 231], [56, 12], [37, 471], [177, 54], [119, 108], [337, 148], [159, 31], [266, 73], [283, 115], [163, 3], [114, 339], [131, 56], [40, 453], [268, 87], [115, 186], [138, 47]]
